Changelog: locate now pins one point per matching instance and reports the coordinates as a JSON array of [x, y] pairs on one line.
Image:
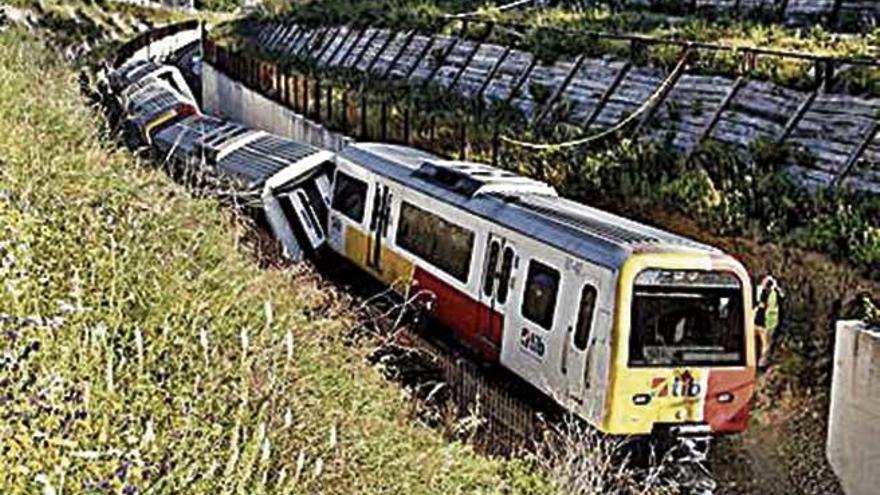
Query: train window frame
[[734, 337], [547, 317], [428, 236], [355, 211], [582, 332]]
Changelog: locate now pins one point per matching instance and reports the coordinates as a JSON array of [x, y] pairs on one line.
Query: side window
[[585, 316], [491, 266], [504, 279], [539, 297], [439, 242], [350, 196]]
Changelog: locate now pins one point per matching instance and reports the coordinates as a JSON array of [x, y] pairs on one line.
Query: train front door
[[499, 275]]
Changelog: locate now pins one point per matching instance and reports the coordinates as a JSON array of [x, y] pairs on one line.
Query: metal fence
[[413, 65]]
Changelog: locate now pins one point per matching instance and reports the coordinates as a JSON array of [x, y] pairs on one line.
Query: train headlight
[[641, 399], [724, 397]]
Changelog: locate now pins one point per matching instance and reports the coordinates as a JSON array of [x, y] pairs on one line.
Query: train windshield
[[687, 318]]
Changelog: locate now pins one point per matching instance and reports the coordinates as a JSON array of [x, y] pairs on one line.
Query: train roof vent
[[226, 138], [471, 179]]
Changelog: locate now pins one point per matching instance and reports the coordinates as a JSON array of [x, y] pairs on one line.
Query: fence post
[[783, 7], [834, 20], [295, 103], [305, 106], [317, 102], [828, 74], [344, 107], [463, 138], [384, 118], [279, 84], [407, 124], [363, 116], [329, 111]]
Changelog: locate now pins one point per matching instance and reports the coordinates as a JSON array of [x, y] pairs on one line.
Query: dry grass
[[582, 462], [142, 351]]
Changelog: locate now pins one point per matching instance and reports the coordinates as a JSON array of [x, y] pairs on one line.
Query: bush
[[583, 462], [219, 5]]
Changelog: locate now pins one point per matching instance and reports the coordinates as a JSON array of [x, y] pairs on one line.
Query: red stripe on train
[[474, 323], [733, 416]]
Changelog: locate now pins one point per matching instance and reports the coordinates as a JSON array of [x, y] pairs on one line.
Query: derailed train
[[634, 329]]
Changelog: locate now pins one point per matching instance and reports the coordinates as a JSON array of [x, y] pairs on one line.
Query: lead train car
[[632, 328]]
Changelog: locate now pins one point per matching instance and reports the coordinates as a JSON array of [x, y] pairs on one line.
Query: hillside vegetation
[[142, 350], [539, 38]]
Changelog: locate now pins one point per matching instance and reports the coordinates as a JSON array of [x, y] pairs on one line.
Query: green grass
[[142, 347]]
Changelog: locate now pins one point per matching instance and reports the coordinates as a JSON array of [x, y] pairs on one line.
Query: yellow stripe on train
[[395, 270]]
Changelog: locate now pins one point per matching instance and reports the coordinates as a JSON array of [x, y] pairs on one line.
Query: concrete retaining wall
[[854, 428], [225, 98], [165, 47]]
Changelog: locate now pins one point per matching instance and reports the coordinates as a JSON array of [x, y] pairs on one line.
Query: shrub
[[583, 462]]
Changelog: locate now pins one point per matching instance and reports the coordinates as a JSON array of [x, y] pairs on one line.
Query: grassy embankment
[[143, 349]]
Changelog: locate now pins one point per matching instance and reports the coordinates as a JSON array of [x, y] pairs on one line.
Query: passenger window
[[350, 196], [491, 266], [539, 297], [441, 243], [585, 316], [506, 269]]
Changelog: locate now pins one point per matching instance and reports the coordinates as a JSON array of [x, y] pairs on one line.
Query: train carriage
[[289, 180], [630, 327]]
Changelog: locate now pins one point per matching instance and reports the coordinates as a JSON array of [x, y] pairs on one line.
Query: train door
[[298, 214], [499, 277], [535, 330], [346, 232], [380, 220], [306, 209], [575, 353]]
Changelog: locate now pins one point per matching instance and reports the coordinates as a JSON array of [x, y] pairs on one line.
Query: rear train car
[[286, 182]]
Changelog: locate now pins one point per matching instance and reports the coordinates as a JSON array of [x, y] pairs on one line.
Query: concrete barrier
[[854, 428], [225, 98]]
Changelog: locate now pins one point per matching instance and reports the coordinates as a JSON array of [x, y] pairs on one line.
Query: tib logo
[[683, 385]]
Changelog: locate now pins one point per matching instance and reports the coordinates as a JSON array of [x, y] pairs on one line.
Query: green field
[[143, 350]]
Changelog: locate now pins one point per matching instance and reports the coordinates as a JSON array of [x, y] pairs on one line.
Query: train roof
[[520, 204], [132, 72], [250, 156], [151, 100]]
